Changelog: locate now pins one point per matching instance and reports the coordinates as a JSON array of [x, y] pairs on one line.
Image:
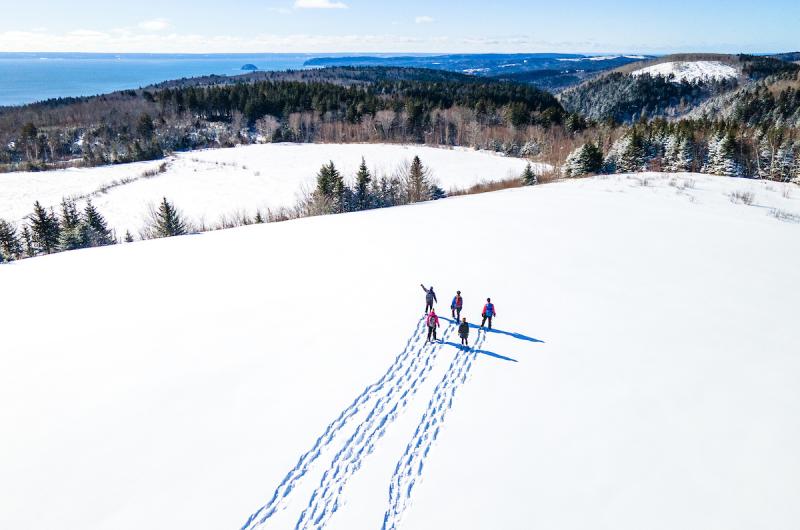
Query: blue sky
[[209, 26]]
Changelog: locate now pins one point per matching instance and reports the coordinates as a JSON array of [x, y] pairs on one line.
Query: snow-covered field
[[643, 373], [211, 183], [691, 70]]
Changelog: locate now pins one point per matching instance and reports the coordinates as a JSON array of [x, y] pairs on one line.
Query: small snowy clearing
[[215, 182], [690, 71]]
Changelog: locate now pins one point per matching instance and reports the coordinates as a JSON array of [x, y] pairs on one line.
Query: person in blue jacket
[[488, 313], [456, 305]]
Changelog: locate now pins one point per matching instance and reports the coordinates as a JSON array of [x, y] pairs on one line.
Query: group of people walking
[[432, 319]]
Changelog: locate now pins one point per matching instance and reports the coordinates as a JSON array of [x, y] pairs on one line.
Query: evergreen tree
[[672, 146], [685, 160], [722, 156], [417, 185], [341, 193], [96, 232], [259, 219], [528, 177], [437, 193], [45, 230], [325, 180], [128, 236], [166, 221], [363, 199], [632, 156], [70, 237], [10, 246], [27, 241], [584, 160]]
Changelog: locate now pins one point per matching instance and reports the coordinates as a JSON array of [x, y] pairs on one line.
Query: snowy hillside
[[209, 184], [643, 372], [691, 70]]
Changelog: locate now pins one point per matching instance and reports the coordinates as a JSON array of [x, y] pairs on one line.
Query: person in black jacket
[[463, 332], [430, 298]]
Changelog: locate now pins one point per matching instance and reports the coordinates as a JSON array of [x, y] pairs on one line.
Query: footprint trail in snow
[[370, 393], [410, 466], [325, 500]]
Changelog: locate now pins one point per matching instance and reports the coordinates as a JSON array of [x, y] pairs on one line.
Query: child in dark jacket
[[463, 332]]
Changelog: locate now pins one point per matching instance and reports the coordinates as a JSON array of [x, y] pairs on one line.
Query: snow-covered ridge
[[181, 383], [210, 183], [690, 70], [601, 58]]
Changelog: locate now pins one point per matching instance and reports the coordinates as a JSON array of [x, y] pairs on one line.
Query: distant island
[[250, 67]]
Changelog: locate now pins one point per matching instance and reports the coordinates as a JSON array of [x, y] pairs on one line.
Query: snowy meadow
[[642, 370]]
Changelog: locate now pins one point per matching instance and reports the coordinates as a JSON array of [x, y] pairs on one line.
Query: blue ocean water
[[30, 77]]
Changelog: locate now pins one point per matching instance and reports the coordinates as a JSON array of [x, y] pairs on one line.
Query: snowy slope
[[176, 383], [211, 183], [690, 70]]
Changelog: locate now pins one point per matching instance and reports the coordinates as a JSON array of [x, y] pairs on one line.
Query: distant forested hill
[[330, 105], [627, 96], [549, 71]]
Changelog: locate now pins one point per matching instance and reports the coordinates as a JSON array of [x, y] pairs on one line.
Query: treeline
[[142, 125], [760, 67], [718, 148], [765, 105]]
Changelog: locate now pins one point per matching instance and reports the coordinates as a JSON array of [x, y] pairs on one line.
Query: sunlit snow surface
[[691, 70], [181, 383]]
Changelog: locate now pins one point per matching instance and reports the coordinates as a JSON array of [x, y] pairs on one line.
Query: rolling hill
[[676, 86]]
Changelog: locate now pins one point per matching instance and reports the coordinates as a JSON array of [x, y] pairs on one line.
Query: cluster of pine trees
[[46, 231], [412, 183], [698, 146]]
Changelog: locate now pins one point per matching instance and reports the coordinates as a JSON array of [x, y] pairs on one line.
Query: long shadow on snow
[[324, 502], [409, 467], [518, 336], [482, 352], [301, 468]]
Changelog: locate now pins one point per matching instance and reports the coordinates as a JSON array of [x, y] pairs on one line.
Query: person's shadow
[[482, 352], [511, 334]]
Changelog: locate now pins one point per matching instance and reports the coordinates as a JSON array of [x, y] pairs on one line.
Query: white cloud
[[319, 4], [156, 24], [424, 20]]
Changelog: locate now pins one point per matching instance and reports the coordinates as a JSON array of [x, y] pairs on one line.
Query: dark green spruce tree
[[529, 177], [10, 245], [95, 231], [45, 230], [70, 236], [417, 186], [167, 221], [363, 197]]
